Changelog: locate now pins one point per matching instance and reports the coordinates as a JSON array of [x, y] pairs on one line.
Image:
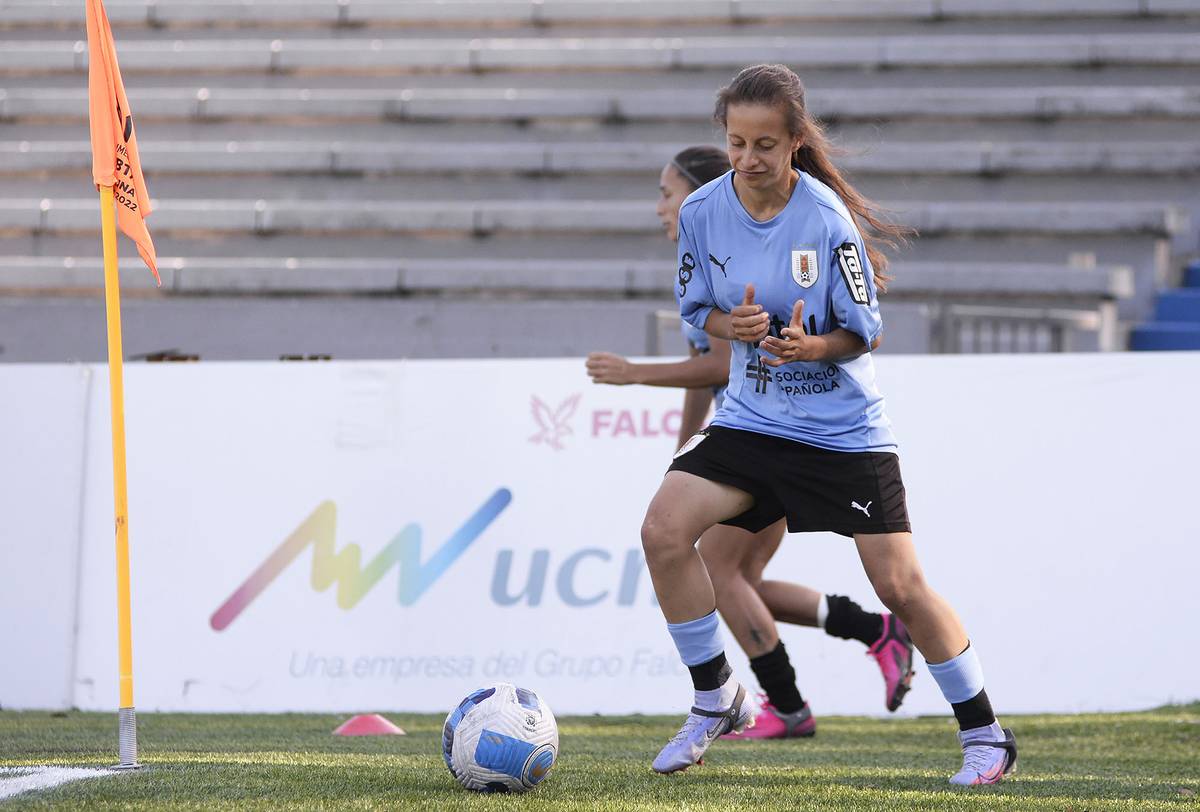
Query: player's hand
[[795, 343], [749, 322], [607, 367]]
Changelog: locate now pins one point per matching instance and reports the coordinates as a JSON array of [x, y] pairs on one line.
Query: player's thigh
[[687, 505]]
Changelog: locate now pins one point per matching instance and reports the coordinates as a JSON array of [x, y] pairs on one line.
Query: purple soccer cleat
[[893, 652], [989, 754], [702, 728]]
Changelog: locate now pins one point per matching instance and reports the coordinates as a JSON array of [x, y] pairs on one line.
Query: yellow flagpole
[[116, 382]]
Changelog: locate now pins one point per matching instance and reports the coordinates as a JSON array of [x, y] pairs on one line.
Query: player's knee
[[661, 541], [899, 590]]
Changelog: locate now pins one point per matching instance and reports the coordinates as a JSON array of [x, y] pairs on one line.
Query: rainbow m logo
[[344, 568]]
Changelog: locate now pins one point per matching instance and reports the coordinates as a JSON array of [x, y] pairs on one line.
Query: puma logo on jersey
[[720, 264], [866, 509]]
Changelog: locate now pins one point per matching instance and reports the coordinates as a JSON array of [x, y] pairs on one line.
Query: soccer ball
[[500, 739]]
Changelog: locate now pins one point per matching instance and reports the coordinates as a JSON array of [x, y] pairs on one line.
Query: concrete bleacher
[[473, 151]]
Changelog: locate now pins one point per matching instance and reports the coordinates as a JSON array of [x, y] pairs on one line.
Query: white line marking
[[15, 780]]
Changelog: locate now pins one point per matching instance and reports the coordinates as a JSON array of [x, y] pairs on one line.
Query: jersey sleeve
[[855, 299], [693, 289]]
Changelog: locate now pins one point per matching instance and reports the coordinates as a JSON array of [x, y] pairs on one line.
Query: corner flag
[[118, 174], [115, 160]]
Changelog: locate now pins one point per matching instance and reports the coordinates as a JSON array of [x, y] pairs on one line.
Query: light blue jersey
[[699, 341], [811, 251]]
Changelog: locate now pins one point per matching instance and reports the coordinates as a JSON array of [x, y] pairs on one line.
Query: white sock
[[717, 700], [822, 611], [987, 733]]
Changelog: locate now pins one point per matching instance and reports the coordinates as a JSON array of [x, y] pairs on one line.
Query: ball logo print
[[354, 581], [553, 424]]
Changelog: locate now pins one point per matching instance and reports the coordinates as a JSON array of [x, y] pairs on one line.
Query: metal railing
[[980, 329], [984, 329]]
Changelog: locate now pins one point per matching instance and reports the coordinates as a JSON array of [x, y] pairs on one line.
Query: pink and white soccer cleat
[[989, 754], [771, 724], [893, 652], [702, 728]]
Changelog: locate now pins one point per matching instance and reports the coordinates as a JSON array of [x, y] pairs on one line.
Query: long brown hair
[[779, 86]]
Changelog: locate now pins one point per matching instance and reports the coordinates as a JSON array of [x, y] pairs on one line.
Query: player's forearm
[[720, 325], [698, 371], [840, 345], [695, 411]]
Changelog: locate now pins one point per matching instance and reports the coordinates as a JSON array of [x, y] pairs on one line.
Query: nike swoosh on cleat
[[993, 775]]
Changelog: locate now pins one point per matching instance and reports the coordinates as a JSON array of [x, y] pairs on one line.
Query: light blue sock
[[960, 678], [698, 640]]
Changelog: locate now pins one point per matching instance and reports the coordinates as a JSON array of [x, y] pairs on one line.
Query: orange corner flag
[[115, 160]]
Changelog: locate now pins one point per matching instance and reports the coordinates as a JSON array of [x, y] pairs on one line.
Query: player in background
[[801, 433], [735, 558]]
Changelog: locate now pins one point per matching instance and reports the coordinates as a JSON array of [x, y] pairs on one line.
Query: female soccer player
[[734, 557], [801, 433]]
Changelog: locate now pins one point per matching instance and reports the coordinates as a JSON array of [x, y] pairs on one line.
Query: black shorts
[[846, 492]]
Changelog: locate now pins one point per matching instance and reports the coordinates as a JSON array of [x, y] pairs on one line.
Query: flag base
[[127, 739]]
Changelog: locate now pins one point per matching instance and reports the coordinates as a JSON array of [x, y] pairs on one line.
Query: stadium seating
[[1176, 322], [362, 155]]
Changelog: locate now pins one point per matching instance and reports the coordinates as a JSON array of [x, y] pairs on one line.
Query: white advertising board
[[42, 446], [389, 536]]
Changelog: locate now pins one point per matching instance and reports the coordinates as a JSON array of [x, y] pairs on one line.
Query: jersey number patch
[[852, 272]]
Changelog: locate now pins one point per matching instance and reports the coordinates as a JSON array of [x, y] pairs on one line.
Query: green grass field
[[1095, 762]]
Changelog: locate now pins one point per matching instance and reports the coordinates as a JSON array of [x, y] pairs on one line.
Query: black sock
[[975, 712], [849, 621], [711, 675], [778, 678]]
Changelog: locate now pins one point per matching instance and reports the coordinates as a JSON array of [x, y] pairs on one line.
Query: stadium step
[[628, 53], [1176, 324], [203, 103], [871, 136], [985, 158], [552, 12], [1181, 305], [1191, 275], [913, 280], [1159, 335], [570, 216]]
